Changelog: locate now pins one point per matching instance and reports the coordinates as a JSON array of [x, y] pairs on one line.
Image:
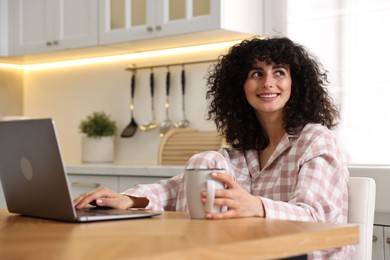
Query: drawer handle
[[388, 240], [86, 185], [374, 239]]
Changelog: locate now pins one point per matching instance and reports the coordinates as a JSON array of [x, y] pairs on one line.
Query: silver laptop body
[[33, 175]]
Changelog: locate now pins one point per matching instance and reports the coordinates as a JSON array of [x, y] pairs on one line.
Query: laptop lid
[[33, 175]]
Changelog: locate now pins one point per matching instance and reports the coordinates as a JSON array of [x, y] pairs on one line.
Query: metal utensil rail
[[134, 67]]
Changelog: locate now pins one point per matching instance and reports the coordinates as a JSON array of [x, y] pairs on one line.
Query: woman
[[268, 98]]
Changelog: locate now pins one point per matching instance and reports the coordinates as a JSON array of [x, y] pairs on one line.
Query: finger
[[224, 202], [81, 201], [221, 215], [91, 196], [224, 193], [224, 178]]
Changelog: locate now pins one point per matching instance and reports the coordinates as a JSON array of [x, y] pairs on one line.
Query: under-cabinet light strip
[[122, 57], [11, 66]]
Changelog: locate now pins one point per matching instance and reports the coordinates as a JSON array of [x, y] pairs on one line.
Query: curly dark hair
[[235, 117]]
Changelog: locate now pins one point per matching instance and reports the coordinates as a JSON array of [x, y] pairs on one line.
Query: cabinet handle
[[388, 240], [149, 29], [52, 43], [158, 27], [86, 185], [374, 239]]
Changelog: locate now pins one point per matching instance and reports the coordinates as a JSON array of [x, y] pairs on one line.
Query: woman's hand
[[104, 197], [239, 202]]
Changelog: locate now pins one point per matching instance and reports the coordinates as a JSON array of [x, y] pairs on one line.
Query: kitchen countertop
[[119, 169]]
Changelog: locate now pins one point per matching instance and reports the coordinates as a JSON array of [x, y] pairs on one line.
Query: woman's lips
[[268, 95]]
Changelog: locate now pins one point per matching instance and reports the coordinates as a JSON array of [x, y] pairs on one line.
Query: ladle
[[167, 123], [153, 123], [131, 128], [183, 123]]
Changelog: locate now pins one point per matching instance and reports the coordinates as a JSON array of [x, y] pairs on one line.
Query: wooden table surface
[[172, 235]]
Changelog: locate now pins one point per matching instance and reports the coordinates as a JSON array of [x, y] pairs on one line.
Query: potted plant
[[98, 138]]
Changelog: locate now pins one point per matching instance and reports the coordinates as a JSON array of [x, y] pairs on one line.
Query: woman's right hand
[[104, 197]]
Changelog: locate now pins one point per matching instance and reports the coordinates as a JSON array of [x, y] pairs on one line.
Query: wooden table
[[172, 235]]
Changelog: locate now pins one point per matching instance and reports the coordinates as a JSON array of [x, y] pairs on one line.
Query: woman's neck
[[273, 125]]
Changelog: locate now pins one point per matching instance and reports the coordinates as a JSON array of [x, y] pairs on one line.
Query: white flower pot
[[97, 150]]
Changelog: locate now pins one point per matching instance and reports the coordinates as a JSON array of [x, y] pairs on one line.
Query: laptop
[[33, 175]]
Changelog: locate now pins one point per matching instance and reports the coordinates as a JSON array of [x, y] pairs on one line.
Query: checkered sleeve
[[320, 193], [162, 195]]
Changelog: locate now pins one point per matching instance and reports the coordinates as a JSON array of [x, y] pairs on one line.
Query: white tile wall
[[68, 95]]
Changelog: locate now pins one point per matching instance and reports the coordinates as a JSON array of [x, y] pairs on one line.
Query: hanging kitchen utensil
[[167, 123], [131, 128], [183, 123], [153, 123]]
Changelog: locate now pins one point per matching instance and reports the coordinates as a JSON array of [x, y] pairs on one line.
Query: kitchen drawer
[[129, 182], [378, 252], [81, 183], [2, 199]]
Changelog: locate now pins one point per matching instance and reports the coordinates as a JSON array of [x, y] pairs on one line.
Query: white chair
[[361, 199]]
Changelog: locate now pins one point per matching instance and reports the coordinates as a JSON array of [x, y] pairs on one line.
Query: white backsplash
[[68, 95]]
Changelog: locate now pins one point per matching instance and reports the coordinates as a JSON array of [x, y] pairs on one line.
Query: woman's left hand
[[238, 201]]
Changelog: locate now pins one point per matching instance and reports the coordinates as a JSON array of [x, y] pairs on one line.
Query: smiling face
[[268, 87]]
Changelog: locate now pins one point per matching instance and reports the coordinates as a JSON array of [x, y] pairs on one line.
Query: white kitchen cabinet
[[381, 236], [204, 20], [386, 242], [37, 26], [80, 184], [381, 243], [378, 252]]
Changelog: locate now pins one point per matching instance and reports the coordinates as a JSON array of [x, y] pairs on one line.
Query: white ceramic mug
[[197, 180]]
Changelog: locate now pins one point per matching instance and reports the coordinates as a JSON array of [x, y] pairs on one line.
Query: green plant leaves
[[98, 125]]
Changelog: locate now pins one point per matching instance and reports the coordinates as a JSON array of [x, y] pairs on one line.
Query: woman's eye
[[280, 73], [256, 74]]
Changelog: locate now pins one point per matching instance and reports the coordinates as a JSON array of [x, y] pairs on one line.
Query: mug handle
[[210, 189]]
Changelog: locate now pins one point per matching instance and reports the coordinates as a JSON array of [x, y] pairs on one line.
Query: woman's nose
[[269, 82]]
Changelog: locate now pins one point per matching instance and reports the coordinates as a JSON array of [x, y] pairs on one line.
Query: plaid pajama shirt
[[304, 179]]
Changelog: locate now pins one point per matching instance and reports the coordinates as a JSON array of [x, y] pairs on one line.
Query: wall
[[69, 94], [11, 92]]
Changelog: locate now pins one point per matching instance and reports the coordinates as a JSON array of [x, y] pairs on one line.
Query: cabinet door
[[31, 23], [76, 23], [378, 243], [80, 184], [175, 17], [48, 25], [131, 20], [386, 243], [126, 20], [129, 182]]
